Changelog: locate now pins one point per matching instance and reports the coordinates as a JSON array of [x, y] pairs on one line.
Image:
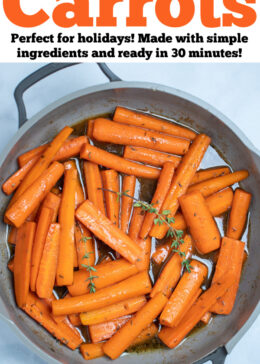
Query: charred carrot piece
[[130, 117], [238, 214], [111, 182], [104, 331], [90, 128], [128, 186], [22, 262], [84, 246], [91, 351], [206, 174], [12, 235], [79, 193], [51, 202]]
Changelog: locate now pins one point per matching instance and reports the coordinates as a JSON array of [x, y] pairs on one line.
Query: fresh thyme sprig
[[89, 268]]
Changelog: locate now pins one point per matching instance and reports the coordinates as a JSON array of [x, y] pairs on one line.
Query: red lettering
[[106, 17], [187, 10], [248, 14], [80, 9], [207, 14], [136, 18]]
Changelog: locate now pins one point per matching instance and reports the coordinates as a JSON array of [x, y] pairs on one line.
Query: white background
[[233, 89]]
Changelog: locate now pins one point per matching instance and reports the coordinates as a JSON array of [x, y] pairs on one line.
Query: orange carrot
[[10, 265], [206, 318], [159, 196], [110, 234], [238, 214], [202, 226], [111, 312], [117, 163], [230, 260], [172, 270], [75, 319], [134, 286], [136, 223], [213, 185], [182, 179], [27, 156], [47, 269], [173, 336], [90, 128], [161, 253], [126, 202], [15, 180], [12, 235], [111, 132], [126, 116], [51, 202], [104, 331], [94, 185], [107, 273], [64, 273], [146, 335], [42, 229], [150, 156], [84, 246], [184, 292], [115, 346], [79, 193], [33, 196], [111, 182], [22, 262], [205, 174], [91, 351]]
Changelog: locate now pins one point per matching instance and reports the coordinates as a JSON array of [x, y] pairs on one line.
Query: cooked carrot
[[150, 156], [172, 270], [117, 163], [15, 180], [91, 351], [51, 202], [32, 197], [137, 219], [205, 174], [115, 346], [104, 331], [90, 128], [27, 156], [111, 132], [42, 229], [49, 260], [108, 273], [182, 179], [238, 214], [126, 116], [213, 185], [189, 305], [184, 292], [10, 265], [75, 319], [128, 186], [64, 273], [94, 185], [202, 226], [206, 318], [131, 287], [110, 234], [111, 182], [22, 262], [106, 259], [12, 235], [159, 196], [173, 336], [111, 312], [230, 260], [146, 335], [84, 246], [79, 193], [63, 330], [161, 253]]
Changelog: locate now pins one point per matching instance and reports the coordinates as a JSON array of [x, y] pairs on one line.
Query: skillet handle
[[40, 74], [217, 357]]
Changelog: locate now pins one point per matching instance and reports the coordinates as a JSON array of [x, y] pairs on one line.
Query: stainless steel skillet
[[212, 342]]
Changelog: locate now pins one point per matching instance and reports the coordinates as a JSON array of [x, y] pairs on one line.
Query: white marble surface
[[232, 88]]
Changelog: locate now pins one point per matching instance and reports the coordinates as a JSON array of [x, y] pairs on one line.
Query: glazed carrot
[[110, 234], [126, 116], [146, 335], [150, 156], [15, 180], [182, 179], [63, 330], [51, 202], [204, 175], [126, 202], [94, 185], [172, 270], [230, 260], [115, 346], [90, 128], [47, 269], [131, 287], [189, 305], [111, 132], [12, 235], [137, 220], [27, 156], [184, 292], [75, 319], [111, 182], [104, 331], [213, 185], [173, 336], [206, 318], [84, 246], [79, 193], [145, 245], [64, 273], [91, 351], [111, 312], [117, 163], [10, 265], [22, 262], [108, 273], [33, 196], [202, 226], [238, 214], [161, 253], [42, 229], [159, 196]]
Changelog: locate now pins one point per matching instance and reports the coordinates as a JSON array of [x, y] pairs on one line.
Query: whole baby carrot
[[238, 214], [51, 202], [128, 186], [131, 117], [136, 222], [84, 246], [111, 132], [110, 160], [79, 193], [91, 351], [104, 331], [33, 196], [111, 182], [27, 156], [205, 174], [202, 226]]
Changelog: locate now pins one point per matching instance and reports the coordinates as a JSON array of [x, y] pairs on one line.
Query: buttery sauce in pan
[[144, 191]]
